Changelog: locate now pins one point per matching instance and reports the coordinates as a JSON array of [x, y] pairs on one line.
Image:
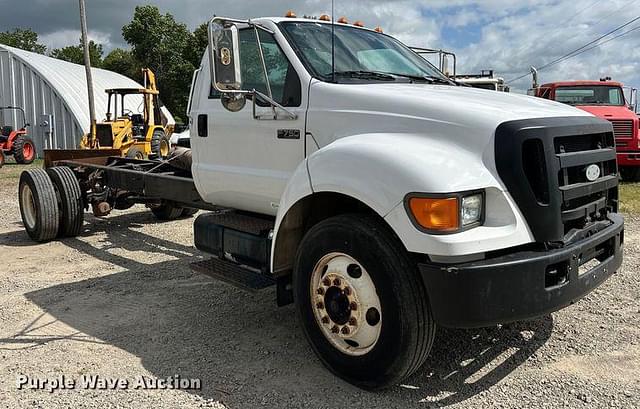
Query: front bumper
[[628, 158], [524, 284]]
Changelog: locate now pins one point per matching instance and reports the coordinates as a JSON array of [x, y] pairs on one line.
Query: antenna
[[333, 41]]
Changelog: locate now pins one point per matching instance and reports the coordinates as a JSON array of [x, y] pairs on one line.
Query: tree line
[[156, 41]]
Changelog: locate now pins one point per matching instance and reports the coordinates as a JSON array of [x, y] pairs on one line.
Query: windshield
[[357, 51], [590, 95]]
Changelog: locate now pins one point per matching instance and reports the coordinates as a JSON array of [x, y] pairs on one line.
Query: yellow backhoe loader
[[135, 135]]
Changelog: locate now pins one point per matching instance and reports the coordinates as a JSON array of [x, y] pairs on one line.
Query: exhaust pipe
[[534, 74]]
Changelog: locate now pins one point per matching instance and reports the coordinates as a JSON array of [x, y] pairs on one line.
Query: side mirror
[[224, 56]]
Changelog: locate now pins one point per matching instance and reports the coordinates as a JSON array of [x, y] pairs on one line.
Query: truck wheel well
[[305, 214]]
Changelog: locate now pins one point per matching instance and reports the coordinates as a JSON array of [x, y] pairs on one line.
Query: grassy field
[[11, 170], [630, 197]]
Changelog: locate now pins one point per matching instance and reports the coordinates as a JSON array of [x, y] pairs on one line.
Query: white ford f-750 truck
[[379, 196]]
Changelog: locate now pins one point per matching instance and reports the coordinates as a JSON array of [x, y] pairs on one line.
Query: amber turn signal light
[[436, 214]]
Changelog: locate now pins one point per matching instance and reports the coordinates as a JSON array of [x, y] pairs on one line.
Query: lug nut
[[335, 329], [320, 305], [326, 282], [320, 291], [353, 322], [345, 330], [353, 306], [347, 291], [337, 282], [325, 320]]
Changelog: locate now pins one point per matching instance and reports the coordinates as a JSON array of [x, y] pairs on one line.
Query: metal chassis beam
[[150, 179]]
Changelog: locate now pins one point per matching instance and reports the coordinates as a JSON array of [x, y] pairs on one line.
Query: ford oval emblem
[[593, 173]]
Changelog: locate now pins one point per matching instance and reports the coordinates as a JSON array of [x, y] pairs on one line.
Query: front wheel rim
[[346, 304]]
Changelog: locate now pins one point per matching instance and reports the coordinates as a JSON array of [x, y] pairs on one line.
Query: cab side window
[[283, 78]]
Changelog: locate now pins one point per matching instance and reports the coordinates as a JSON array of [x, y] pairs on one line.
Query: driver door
[[243, 162]]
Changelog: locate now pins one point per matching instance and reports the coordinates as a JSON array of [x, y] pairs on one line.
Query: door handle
[[203, 126]]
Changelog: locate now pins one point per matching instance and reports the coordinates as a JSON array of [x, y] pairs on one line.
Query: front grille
[[543, 163], [622, 128]]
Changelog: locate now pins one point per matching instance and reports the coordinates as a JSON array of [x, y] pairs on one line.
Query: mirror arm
[[265, 71], [274, 105]]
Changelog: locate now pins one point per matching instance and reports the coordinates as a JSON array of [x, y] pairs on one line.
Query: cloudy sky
[[507, 36]]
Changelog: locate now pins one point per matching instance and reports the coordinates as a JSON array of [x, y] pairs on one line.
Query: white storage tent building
[[53, 94]]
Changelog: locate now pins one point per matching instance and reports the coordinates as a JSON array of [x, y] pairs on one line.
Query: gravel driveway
[[120, 301]]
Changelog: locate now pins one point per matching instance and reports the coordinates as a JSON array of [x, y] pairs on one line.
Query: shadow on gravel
[[245, 350]]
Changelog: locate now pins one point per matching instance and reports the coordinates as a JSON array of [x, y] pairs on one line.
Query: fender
[[380, 169]]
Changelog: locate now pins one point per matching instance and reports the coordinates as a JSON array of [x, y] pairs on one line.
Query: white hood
[[435, 110]]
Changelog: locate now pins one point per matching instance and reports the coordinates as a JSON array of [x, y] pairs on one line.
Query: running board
[[234, 274]]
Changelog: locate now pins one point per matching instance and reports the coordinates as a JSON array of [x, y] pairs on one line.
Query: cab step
[[234, 274], [241, 237]]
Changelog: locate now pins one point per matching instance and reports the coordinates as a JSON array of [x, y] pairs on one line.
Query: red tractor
[[16, 142]]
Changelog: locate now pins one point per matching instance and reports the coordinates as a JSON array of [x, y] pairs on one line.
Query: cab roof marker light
[[358, 24], [325, 17], [291, 14], [343, 20]]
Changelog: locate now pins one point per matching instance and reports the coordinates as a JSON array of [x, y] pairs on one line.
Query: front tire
[[361, 302], [2, 159], [160, 145], [630, 174]]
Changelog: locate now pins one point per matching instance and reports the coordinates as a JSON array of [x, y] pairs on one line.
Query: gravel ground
[[120, 301]]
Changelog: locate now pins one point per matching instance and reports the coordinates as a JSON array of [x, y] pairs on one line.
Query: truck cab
[[485, 80], [604, 99], [387, 200]]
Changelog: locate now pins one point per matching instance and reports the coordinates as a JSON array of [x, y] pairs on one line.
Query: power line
[[577, 50], [558, 29], [603, 43]]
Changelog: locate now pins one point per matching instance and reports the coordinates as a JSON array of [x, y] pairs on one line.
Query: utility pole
[[87, 65]]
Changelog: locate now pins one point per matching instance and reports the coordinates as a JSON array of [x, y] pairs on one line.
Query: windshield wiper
[[426, 78], [365, 75]]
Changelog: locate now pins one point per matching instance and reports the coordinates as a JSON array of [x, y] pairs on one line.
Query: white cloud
[[63, 38], [505, 35]]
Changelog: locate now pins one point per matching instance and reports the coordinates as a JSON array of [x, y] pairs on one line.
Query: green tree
[[25, 39], [159, 42], [199, 44], [123, 62], [75, 54]]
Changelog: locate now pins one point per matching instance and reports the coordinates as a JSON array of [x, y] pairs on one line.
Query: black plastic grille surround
[[543, 164]]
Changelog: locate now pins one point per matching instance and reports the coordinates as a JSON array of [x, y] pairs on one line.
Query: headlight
[[471, 210], [446, 213]]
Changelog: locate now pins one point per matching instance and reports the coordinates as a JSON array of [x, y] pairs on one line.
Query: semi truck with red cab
[[605, 99]]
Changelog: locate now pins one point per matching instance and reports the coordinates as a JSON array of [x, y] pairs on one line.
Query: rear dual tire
[[168, 211], [356, 261], [69, 199], [51, 203], [39, 205]]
